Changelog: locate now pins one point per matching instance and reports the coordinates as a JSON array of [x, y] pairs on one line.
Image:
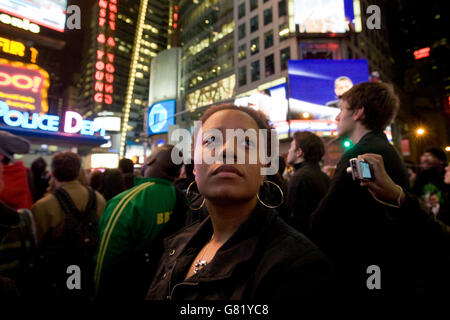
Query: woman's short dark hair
[[311, 145], [66, 166], [259, 117], [379, 101]]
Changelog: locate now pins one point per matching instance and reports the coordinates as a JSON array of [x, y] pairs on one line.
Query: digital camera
[[360, 170]]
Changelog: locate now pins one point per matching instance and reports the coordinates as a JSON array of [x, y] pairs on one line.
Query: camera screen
[[365, 170]]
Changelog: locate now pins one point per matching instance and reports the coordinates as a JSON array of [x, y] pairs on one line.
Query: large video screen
[[324, 16], [272, 102], [315, 85], [47, 13], [161, 115]]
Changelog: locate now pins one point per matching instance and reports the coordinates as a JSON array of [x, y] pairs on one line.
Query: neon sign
[[24, 86], [24, 24], [73, 122], [104, 67], [422, 53], [17, 48]]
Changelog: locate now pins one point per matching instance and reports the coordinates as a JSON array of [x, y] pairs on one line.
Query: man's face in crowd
[[346, 123], [292, 153], [428, 161], [341, 87], [447, 174]]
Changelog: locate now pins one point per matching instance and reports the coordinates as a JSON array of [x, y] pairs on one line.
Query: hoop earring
[[282, 196], [187, 193]]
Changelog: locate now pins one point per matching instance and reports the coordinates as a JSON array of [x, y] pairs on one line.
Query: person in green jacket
[[133, 226]]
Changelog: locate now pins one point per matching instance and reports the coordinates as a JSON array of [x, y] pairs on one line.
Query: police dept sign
[[73, 122], [161, 115]]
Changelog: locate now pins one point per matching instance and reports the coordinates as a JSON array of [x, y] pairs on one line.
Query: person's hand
[[382, 186]]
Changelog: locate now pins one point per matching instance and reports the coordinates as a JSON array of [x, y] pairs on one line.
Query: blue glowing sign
[[73, 123], [314, 81], [161, 115]]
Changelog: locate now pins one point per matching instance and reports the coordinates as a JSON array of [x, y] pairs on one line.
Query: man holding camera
[[347, 225]]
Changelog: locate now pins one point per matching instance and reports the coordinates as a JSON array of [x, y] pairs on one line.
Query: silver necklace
[[200, 263]]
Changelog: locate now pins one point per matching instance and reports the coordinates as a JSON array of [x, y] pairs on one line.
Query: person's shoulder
[[48, 199], [292, 242], [47, 205]]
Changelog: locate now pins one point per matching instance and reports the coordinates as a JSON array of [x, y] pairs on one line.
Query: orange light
[[420, 131], [422, 53]]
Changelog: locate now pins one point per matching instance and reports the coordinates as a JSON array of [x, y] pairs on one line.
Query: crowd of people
[[221, 231]]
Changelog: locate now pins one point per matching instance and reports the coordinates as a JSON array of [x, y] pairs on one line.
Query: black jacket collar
[[237, 250], [305, 164]]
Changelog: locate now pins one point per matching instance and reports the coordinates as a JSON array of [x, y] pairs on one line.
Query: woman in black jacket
[[242, 250]]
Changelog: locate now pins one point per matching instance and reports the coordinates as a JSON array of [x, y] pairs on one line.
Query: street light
[[420, 131], [447, 148]]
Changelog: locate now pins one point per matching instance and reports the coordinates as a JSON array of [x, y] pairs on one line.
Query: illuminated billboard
[[326, 16], [161, 115], [24, 86], [104, 67], [315, 85], [47, 13], [272, 102]]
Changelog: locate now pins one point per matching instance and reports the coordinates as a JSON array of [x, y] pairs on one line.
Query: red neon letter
[[98, 86], [100, 65], [101, 38], [112, 25], [103, 4], [101, 21], [110, 57], [100, 54], [109, 88], [99, 75], [111, 42], [112, 8], [110, 68], [109, 78], [98, 97], [108, 99]]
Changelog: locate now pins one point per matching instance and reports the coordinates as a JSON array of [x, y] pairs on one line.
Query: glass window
[[285, 55], [254, 67], [284, 31], [282, 8], [270, 65], [242, 76], [268, 16], [242, 52], [241, 10], [253, 4], [268, 39], [254, 24], [241, 31], [254, 46]]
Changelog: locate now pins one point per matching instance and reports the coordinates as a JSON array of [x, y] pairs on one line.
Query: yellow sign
[[17, 48]]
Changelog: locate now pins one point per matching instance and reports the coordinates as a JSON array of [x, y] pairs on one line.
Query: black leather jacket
[[265, 259]]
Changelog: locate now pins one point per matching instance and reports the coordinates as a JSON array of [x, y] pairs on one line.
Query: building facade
[[115, 69]]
